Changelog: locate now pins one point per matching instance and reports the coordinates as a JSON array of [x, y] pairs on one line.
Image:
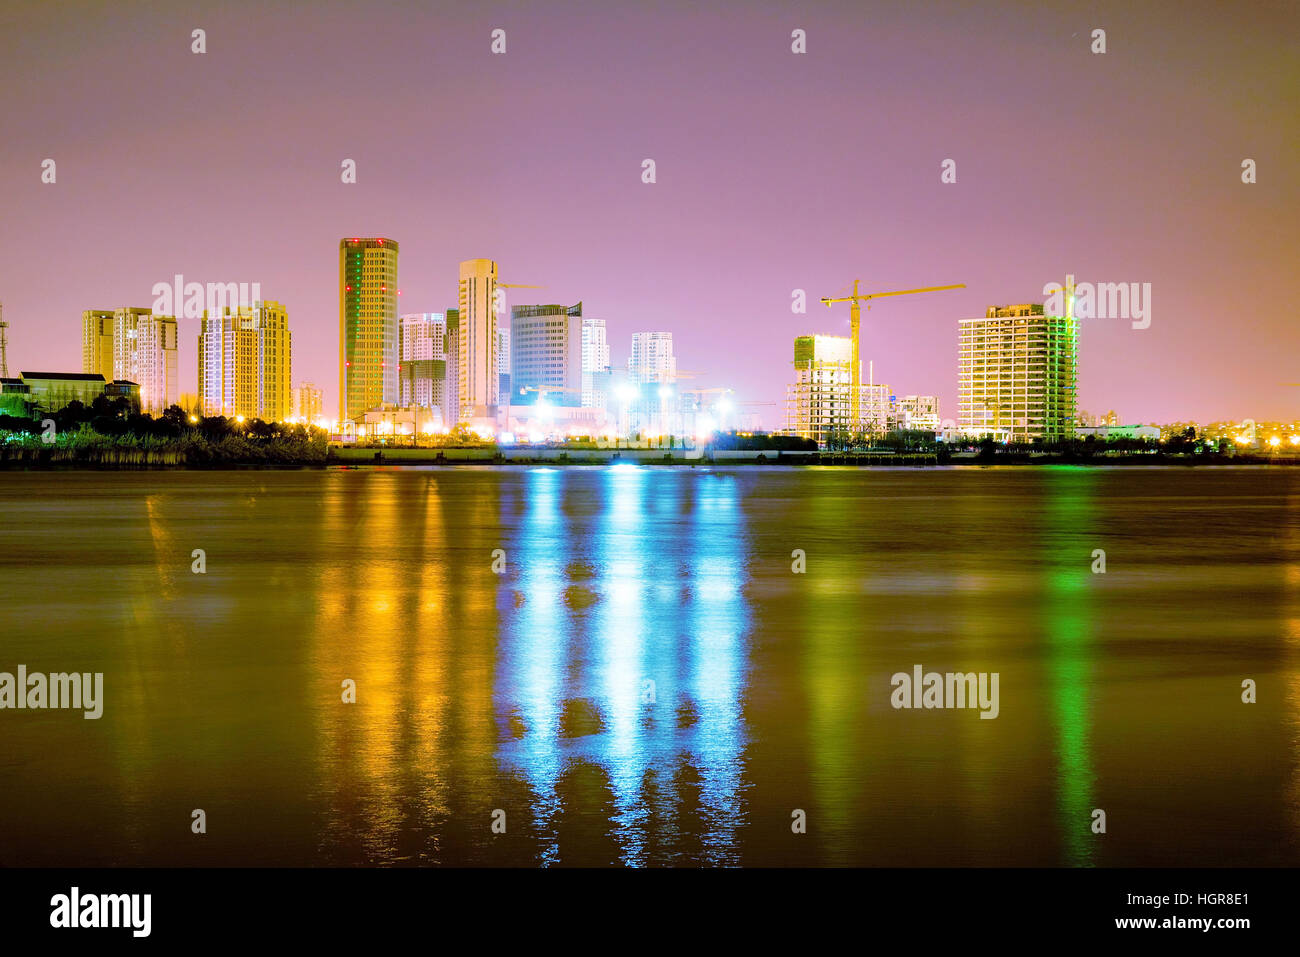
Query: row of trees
[[89, 432], [1186, 442], [1183, 443], [733, 441]]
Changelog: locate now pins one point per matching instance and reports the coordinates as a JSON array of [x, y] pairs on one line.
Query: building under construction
[[819, 404]]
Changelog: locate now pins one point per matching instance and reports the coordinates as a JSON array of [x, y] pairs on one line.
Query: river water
[[640, 675]]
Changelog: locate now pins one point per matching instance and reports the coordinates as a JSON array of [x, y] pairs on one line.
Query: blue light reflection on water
[[533, 653], [638, 670], [718, 618]]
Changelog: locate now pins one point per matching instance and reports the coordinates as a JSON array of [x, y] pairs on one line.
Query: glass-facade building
[[368, 356], [546, 354]]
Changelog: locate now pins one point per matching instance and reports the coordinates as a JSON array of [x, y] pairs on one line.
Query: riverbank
[[55, 459], [193, 451], [698, 457], [91, 451]]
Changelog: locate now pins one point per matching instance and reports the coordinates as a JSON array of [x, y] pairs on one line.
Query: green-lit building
[[368, 356]]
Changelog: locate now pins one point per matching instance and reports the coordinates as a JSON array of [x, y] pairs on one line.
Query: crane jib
[[855, 299]]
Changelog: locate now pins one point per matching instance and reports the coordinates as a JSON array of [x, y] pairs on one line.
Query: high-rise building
[[652, 373], [127, 342], [818, 402], [451, 379], [143, 351], [503, 365], [423, 344], [546, 346], [245, 360], [97, 342], [132, 344], [477, 359], [595, 364], [1018, 373], [652, 358], [368, 357], [308, 403]]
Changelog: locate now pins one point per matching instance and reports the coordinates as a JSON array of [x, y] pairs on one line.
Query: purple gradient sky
[[775, 172]]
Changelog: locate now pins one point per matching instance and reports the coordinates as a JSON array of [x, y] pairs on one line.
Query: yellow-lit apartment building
[[308, 404], [479, 368], [97, 342], [245, 362], [1018, 374], [133, 345]]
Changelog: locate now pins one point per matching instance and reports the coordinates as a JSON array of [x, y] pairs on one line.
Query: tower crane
[[855, 322], [499, 301]]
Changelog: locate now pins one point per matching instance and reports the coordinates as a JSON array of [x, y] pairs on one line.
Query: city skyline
[[739, 216], [387, 343], [841, 437]]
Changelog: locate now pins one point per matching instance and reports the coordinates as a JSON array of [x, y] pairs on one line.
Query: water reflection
[[1069, 652], [644, 680], [361, 619], [531, 664], [1291, 653], [715, 662], [622, 691]]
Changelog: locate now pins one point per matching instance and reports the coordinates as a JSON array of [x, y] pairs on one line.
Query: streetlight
[[723, 406], [626, 393], [665, 393]]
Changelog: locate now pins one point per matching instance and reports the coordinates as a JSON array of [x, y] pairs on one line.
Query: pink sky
[[775, 172]]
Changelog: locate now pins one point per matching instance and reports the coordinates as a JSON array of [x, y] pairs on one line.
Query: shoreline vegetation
[[109, 435]]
